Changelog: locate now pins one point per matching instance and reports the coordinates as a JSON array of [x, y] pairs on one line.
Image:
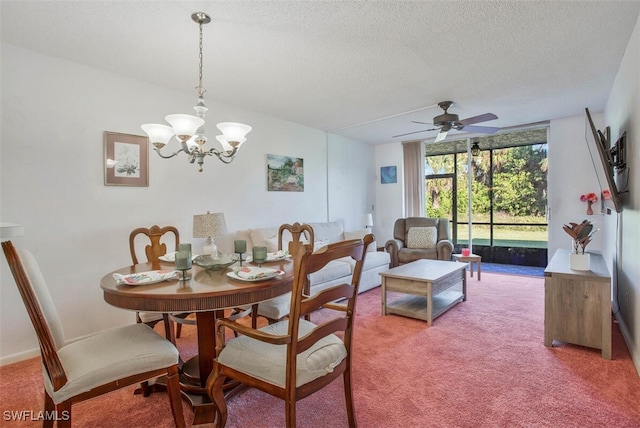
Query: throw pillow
[[319, 244], [422, 237], [360, 234]]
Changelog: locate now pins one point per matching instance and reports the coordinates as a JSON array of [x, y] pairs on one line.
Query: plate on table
[[144, 278], [251, 273], [171, 257], [208, 262], [271, 257]]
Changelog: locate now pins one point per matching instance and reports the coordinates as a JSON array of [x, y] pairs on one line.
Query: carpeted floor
[[513, 269], [481, 364]]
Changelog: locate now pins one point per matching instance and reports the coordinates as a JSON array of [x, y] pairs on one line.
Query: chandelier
[[189, 130]]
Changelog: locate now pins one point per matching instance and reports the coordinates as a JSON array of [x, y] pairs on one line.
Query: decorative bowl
[[208, 262]]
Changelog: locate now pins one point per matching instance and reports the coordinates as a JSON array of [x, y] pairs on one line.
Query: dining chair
[[294, 358], [93, 365], [302, 236], [153, 252]]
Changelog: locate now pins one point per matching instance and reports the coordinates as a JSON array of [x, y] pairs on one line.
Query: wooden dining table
[[207, 293]]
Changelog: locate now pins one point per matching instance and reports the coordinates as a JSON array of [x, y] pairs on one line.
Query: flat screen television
[[606, 161]]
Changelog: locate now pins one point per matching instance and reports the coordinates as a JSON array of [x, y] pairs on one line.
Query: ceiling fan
[[448, 121]]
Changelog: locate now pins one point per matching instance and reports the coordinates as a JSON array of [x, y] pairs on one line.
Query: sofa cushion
[[407, 255], [265, 237], [422, 237], [360, 234], [333, 270], [371, 261], [317, 244], [332, 231], [225, 242]]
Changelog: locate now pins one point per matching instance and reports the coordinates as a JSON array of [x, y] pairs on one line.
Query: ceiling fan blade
[[441, 136], [415, 132], [477, 119], [481, 129], [422, 123]]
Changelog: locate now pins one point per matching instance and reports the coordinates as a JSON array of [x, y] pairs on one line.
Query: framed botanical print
[[126, 160]]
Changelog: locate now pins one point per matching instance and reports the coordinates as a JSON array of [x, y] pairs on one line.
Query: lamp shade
[[158, 133], [209, 225], [233, 131], [184, 124], [367, 220], [225, 144], [10, 230]]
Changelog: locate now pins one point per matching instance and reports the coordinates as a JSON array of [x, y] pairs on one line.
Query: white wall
[[351, 180], [622, 113], [54, 114], [571, 174], [390, 196]]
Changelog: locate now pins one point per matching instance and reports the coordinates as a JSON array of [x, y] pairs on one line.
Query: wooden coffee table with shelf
[[432, 287]]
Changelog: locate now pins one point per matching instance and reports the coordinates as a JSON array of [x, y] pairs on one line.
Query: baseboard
[[20, 356], [628, 339]]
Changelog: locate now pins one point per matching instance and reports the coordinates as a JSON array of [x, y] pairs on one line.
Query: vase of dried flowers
[[581, 234]]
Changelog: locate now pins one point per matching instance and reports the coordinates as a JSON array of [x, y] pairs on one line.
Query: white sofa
[[336, 272]]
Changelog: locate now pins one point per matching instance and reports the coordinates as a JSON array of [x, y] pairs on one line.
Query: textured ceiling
[[361, 69]]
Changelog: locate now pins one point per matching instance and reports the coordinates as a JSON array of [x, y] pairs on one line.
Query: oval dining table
[[207, 293]]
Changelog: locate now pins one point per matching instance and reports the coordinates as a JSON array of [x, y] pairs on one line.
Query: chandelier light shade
[[189, 130], [209, 225]]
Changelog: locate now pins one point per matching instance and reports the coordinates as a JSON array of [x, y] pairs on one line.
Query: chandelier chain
[[201, 90]]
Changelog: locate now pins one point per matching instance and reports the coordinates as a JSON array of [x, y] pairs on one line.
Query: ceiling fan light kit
[[450, 121]]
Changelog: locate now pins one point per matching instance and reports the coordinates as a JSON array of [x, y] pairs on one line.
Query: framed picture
[[388, 174], [126, 160], [285, 174]]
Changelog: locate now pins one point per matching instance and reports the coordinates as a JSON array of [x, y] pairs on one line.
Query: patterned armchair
[[419, 238]]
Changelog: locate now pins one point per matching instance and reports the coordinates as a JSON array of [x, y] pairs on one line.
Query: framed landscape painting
[[285, 174], [126, 160]]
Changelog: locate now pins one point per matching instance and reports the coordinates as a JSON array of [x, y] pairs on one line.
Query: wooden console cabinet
[[577, 304]]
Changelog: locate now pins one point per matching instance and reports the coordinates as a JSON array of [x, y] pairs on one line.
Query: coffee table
[[431, 287]]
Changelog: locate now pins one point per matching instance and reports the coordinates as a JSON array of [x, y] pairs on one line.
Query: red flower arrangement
[[589, 198]]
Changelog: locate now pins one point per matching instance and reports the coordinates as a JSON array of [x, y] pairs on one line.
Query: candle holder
[[259, 255], [183, 261], [240, 247]]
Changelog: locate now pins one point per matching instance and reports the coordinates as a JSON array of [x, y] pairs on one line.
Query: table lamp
[[367, 220], [209, 225], [10, 230]]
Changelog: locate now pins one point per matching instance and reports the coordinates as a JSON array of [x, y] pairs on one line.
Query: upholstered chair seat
[[110, 355], [269, 362]]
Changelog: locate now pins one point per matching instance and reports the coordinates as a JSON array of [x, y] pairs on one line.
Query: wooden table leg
[[429, 304], [206, 322], [384, 296]]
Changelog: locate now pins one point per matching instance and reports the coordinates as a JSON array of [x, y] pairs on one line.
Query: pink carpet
[[482, 364]]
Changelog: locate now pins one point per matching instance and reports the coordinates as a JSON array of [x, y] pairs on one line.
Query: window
[[509, 190]]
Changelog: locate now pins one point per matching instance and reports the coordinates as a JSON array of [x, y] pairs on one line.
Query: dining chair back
[[96, 364], [156, 248], [298, 232], [294, 358], [153, 251], [301, 236]]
